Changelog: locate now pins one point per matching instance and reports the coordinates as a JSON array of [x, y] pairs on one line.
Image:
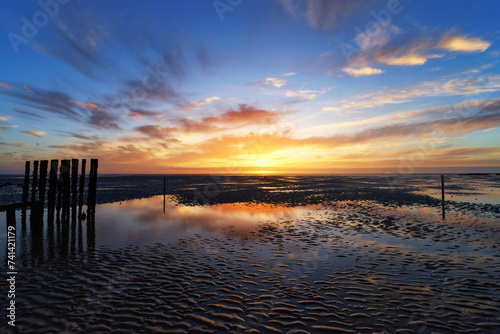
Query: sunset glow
[[264, 87]]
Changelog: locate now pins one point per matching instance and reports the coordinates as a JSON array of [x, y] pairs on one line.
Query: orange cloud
[[6, 86], [88, 105], [27, 88]]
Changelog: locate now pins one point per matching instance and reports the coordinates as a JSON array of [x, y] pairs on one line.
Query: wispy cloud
[[453, 87], [5, 127], [363, 71], [393, 46], [464, 44], [2, 143], [34, 133], [5, 118], [323, 14], [276, 82], [197, 104], [303, 95], [139, 113], [4, 85]]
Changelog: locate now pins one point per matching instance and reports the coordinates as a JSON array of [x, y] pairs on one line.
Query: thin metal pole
[[442, 195]]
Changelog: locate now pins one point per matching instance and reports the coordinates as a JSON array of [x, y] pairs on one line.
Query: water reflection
[[135, 222], [44, 235], [143, 221]]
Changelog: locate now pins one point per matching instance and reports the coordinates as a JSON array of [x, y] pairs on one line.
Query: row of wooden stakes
[[65, 189]]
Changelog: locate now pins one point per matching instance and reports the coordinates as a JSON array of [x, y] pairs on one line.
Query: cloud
[[197, 104], [302, 95], [276, 82], [156, 131], [98, 116], [5, 118], [358, 72], [243, 116], [204, 58], [5, 127], [407, 59], [392, 46], [323, 14], [27, 88], [55, 102], [464, 44], [138, 113], [288, 74], [2, 143], [452, 87], [34, 133], [6, 86]]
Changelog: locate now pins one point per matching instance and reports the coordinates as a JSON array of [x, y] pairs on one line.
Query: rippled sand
[[347, 267]]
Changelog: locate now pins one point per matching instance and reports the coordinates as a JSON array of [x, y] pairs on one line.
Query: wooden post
[[442, 195], [164, 190], [26, 188], [82, 188], [65, 167], [91, 198], [35, 181], [52, 184], [74, 182], [11, 217], [43, 180], [26, 185], [60, 189]]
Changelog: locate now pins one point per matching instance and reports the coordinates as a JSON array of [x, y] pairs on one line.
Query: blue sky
[[252, 86]]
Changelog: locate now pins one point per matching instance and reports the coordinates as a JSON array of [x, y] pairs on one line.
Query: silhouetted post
[[91, 202], [59, 189], [42, 184], [74, 182], [26, 185], [35, 181], [11, 217], [442, 195], [164, 190], [91, 198], [52, 189], [65, 166], [26, 188], [82, 188]]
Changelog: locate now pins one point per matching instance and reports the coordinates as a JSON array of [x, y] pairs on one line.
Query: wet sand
[[336, 267]]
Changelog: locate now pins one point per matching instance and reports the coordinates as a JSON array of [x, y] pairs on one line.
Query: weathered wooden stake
[[164, 190], [52, 184], [74, 182], [35, 181], [26, 188], [442, 195], [11, 217], [59, 189], [91, 198], [26, 185], [82, 188], [42, 184], [65, 167]]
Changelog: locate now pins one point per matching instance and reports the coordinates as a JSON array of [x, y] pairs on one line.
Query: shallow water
[[345, 267]]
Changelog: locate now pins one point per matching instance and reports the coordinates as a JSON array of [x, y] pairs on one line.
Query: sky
[[252, 86]]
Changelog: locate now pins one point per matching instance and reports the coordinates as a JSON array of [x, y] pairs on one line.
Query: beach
[[255, 254]]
